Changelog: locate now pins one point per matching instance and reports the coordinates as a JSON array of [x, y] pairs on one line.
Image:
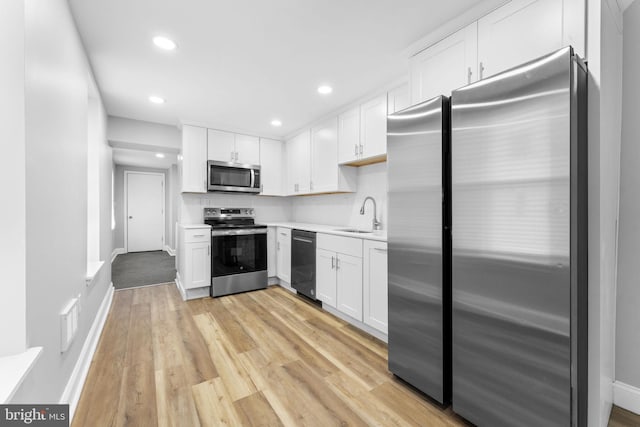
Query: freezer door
[[417, 343], [511, 158]]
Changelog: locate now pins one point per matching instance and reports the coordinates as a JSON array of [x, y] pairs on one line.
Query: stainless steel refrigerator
[[418, 167], [519, 233]]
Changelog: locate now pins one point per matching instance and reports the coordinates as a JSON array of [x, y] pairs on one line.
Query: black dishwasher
[[303, 262]]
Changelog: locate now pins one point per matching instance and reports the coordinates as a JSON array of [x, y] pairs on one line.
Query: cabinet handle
[[380, 249], [355, 153], [333, 263], [236, 156], [337, 263], [278, 245], [208, 250], [481, 69], [198, 235], [232, 156], [361, 149], [469, 73], [310, 185]]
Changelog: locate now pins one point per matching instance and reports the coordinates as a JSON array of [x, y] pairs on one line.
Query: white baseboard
[[271, 281], [194, 293], [116, 252], [626, 396], [73, 389], [170, 251], [358, 324]]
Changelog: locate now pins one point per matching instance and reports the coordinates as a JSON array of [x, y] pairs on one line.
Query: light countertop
[[380, 235]]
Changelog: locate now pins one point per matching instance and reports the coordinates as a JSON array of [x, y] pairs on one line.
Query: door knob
[[130, 217]]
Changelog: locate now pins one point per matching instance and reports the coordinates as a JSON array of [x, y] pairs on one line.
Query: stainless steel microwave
[[233, 177]]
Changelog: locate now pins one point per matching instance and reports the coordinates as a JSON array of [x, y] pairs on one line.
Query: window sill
[[13, 371], [93, 268]]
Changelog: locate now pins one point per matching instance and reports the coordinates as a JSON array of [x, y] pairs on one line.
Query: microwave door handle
[[253, 178]]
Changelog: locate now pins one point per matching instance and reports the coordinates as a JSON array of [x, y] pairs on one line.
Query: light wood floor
[[623, 418], [264, 358]]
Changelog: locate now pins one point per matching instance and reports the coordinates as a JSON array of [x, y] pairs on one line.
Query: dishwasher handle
[[300, 239]]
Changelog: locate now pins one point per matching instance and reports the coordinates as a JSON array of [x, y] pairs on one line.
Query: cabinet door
[[398, 99], [349, 285], [326, 277], [271, 170], [373, 127], [194, 159], [324, 157], [247, 149], [198, 264], [220, 145], [375, 281], [272, 253], [349, 136], [284, 254], [518, 32], [298, 163], [447, 65]]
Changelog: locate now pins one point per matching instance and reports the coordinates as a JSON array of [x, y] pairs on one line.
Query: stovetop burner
[[231, 218]]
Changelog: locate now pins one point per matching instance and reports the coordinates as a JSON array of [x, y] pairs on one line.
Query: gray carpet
[[142, 268]]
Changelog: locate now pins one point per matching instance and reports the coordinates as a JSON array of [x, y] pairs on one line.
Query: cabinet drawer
[[197, 235], [344, 245]]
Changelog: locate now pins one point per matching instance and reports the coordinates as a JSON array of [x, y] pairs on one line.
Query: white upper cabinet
[[373, 128], [271, 167], [447, 65], [518, 32], [398, 99], [221, 145], [326, 175], [324, 156], [298, 163], [247, 149], [230, 147], [194, 159], [349, 136]]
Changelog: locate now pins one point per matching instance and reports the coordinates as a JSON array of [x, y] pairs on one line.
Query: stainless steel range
[[238, 251]]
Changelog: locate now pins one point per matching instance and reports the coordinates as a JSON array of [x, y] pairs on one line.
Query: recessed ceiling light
[[160, 155], [276, 123], [156, 99], [325, 90], [164, 43]]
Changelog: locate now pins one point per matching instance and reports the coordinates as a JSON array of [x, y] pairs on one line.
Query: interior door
[[145, 212]]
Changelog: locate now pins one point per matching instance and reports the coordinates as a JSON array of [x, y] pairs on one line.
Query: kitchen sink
[[353, 230]]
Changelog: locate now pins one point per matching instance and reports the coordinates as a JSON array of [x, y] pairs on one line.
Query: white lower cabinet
[[283, 249], [272, 252], [339, 273], [326, 277], [194, 258], [349, 285], [375, 285]]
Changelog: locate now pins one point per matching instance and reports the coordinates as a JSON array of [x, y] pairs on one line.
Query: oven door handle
[[243, 232]]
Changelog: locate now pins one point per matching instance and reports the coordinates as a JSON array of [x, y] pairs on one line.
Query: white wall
[[604, 49], [12, 179], [267, 209], [628, 292], [174, 191], [136, 134], [344, 209], [119, 203], [56, 194]]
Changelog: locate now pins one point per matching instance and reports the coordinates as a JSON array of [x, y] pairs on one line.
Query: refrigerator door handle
[[469, 73]]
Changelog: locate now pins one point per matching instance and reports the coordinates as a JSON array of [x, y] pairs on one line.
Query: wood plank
[[233, 329], [235, 378], [196, 361], [255, 411], [214, 405], [622, 418], [175, 404]]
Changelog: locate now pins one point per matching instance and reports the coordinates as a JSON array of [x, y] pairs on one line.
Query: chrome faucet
[[377, 225]]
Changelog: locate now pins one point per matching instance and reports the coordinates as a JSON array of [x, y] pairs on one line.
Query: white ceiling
[[145, 159], [240, 64]]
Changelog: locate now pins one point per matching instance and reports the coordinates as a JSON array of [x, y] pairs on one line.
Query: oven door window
[[229, 177], [238, 254]]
